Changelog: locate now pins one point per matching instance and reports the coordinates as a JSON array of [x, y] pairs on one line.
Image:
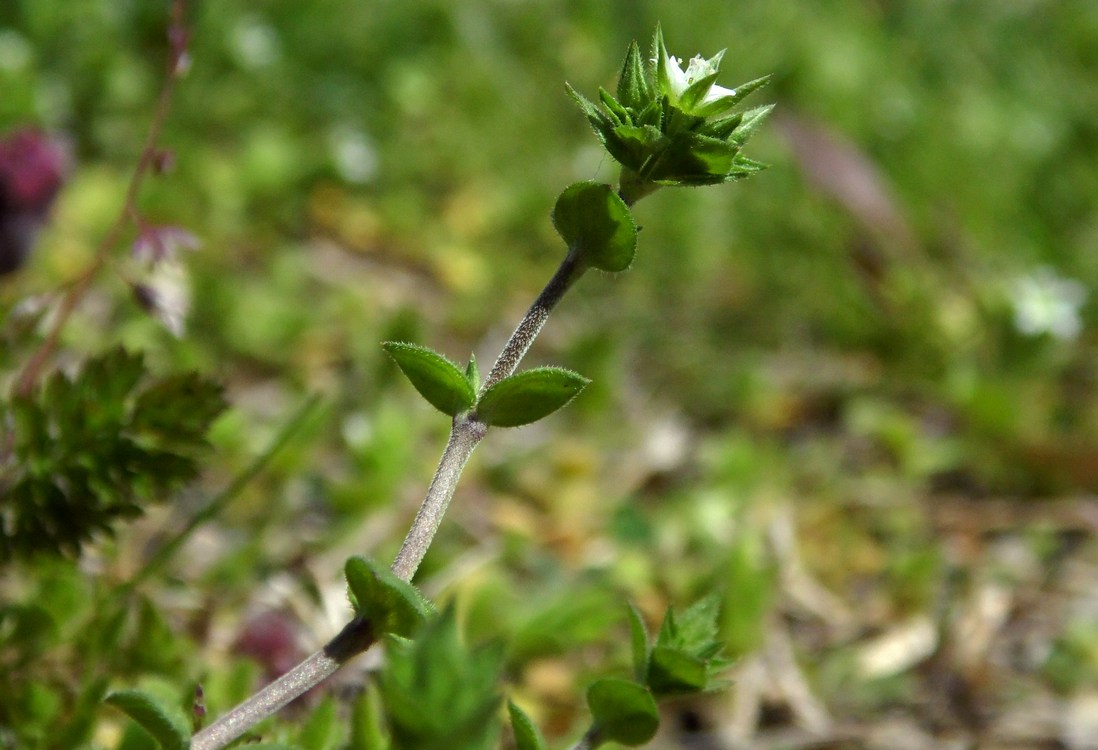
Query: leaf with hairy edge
[[393, 605], [528, 396], [595, 222], [634, 91], [153, 718], [436, 378]]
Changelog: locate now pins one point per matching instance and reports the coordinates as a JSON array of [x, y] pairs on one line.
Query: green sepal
[[164, 726], [695, 93], [752, 119], [693, 159], [727, 102], [659, 60], [617, 111], [527, 735], [528, 396], [391, 604], [634, 91], [623, 711], [437, 379], [723, 127], [600, 122], [639, 642], [686, 657], [672, 671], [595, 223]]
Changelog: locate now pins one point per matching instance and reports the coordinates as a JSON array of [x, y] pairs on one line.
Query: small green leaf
[[472, 372], [393, 605], [695, 92], [528, 396], [623, 711], [595, 222], [672, 671], [634, 91], [527, 736], [686, 657], [320, 731], [740, 93], [153, 718], [366, 722], [600, 121], [436, 378], [438, 693], [639, 643], [752, 119], [617, 112]]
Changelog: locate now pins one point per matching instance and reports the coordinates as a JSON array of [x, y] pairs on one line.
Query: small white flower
[[1047, 303], [680, 80]]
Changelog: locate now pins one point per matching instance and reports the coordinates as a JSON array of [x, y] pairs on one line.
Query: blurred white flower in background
[[1045, 302], [255, 43], [15, 51], [353, 154]]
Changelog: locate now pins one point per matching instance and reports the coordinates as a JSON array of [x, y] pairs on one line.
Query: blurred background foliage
[[855, 393]]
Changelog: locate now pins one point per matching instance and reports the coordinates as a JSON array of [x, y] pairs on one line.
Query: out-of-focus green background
[[855, 392]]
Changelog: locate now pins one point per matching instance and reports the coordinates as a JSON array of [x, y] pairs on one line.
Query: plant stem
[[358, 634], [569, 272], [591, 739], [464, 437]]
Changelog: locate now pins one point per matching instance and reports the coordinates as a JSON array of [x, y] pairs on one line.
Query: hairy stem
[[569, 272], [464, 437], [358, 634]]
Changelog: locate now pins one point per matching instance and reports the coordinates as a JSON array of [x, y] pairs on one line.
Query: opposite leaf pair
[[516, 400]]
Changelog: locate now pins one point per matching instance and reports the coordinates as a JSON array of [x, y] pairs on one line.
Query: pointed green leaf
[[660, 62], [436, 378], [639, 642], [366, 722], [695, 92], [527, 736], [600, 122], [393, 605], [617, 112], [439, 693], [634, 91], [723, 127], [321, 731], [694, 159], [472, 372], [528, 396], [165, 727], [595, 222], [738, 94], [752, 119], [695, 627], [623, 711], [672, 671]]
